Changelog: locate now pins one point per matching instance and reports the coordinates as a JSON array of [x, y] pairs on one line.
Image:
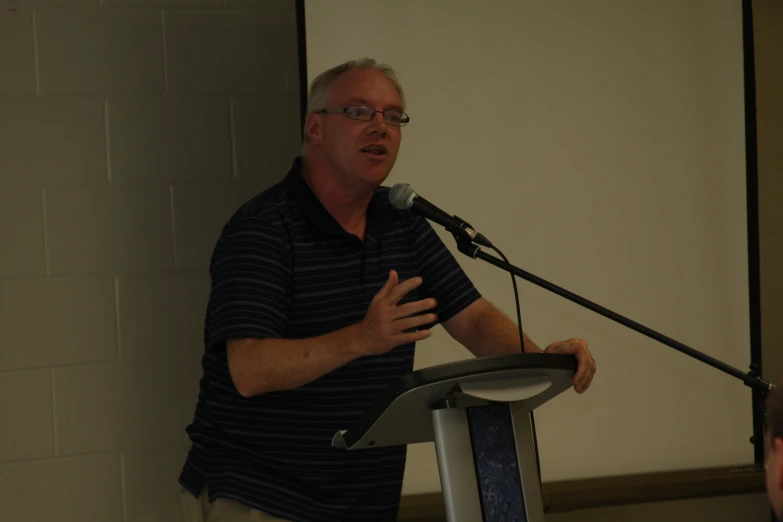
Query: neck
[[347, 204]]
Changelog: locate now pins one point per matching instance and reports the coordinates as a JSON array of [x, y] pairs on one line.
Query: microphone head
[[401, 195]]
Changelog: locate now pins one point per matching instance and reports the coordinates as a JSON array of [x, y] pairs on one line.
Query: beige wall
[[580, 121], [600, 145], [768, 20], [128, 133]]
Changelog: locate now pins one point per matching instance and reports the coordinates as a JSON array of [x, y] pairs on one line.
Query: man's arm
[[479, 326], [271, 364], [265, 365], [486, 331]]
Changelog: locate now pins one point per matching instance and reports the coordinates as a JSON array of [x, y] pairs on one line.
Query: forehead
[[367, 85]]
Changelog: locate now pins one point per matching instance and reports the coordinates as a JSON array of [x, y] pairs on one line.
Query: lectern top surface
[[401, 413], [481, 365]]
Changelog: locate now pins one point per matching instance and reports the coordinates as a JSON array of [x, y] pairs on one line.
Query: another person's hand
[[387, 324], [586, 369]]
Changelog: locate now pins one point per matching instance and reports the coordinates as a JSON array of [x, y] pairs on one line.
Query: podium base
[[487, 463]]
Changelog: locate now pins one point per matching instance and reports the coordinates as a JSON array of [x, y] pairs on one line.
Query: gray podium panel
[[456, 467]]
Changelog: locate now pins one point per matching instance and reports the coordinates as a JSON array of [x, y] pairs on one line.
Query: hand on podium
[[578, 348]]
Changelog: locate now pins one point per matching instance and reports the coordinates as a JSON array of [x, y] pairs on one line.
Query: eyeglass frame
[[344, 110]]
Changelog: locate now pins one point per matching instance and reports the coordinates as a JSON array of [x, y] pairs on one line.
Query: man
[[773, 458], [320, 290]]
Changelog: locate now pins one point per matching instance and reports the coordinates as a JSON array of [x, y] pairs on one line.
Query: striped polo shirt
[[284, 268]]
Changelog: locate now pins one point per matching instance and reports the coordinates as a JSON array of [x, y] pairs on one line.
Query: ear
[[314, 130]]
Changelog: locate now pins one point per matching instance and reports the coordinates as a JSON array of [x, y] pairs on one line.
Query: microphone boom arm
[[751, 379], [469, 242]]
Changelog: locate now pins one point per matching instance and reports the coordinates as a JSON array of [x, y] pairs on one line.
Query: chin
[[375, 175]]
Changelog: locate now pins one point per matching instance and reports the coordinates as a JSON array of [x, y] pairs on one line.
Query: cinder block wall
[[129, 131]]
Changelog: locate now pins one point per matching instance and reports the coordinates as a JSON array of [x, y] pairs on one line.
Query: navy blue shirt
[[284, 268]]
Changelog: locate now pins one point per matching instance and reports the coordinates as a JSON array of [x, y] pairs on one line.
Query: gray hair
[[320, 88]]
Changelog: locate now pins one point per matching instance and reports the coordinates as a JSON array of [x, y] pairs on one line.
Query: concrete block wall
[[129, 131]]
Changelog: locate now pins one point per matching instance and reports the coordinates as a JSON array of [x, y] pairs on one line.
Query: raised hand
[[387, 324]]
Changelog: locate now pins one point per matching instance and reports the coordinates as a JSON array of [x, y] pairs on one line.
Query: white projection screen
[[601, 146]]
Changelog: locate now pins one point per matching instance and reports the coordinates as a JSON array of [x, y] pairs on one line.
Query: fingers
[[414, 308], [391, 282], [586, 364], [573, 348], [392, 291], [587, 367], [582, 385], [581, 380], [387, 325], [413, 337], [412, 322], [403, 288]]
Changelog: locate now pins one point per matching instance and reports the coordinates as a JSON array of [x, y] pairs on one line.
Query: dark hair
[[774, 414]]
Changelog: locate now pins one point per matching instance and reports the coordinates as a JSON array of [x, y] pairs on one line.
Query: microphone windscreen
[[400, 196]]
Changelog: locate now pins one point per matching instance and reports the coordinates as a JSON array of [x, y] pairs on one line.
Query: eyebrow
[[365, 102]]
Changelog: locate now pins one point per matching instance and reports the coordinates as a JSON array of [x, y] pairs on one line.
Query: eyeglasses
[[362, 113]]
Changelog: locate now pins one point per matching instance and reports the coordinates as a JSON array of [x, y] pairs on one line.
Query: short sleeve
[[443, 277], [251, 283]]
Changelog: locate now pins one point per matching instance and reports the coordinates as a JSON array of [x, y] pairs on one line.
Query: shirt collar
[[379, 212]]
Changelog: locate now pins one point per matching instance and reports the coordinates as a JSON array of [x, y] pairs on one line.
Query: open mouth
[[375, 150]]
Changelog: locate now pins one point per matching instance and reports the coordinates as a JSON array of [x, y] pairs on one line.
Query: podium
[[478, 414]]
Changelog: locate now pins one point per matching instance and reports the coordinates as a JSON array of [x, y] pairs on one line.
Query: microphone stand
[[752, 379]]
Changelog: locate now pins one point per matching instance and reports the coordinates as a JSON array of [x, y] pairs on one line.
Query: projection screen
[[600, 146]]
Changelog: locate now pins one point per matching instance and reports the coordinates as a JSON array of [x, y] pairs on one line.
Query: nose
[[377, 125]]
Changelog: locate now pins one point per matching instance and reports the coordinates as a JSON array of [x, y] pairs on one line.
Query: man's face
[[344, 141], [773, 464]]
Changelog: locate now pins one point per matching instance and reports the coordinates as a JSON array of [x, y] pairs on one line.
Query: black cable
[[516, 299], [471, 249], [522, 342]]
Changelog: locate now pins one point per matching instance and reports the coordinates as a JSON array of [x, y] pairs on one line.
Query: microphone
[[403, 197]]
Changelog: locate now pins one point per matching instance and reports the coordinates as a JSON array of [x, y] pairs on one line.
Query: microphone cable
[[522, 343]]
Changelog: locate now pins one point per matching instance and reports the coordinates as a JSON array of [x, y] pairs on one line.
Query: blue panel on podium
[[495, 456]]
